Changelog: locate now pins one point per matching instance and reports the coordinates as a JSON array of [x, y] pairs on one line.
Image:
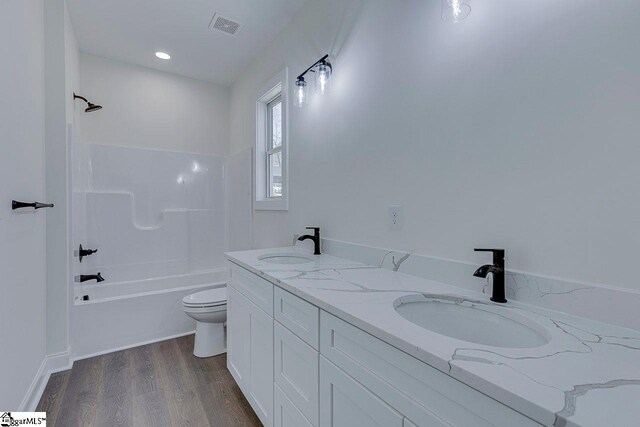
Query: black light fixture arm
[[322, 60]]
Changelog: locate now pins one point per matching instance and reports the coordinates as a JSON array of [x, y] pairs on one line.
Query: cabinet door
[[260, 391], [238, 316], [346, 403], [296, 371], [285, 413]]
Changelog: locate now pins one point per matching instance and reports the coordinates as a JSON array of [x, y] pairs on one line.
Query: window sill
[[271, 205]]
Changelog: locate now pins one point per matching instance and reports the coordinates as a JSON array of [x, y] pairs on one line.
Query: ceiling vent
[[223, 24]]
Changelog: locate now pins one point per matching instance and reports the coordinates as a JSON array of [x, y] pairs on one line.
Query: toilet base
[[209, 339]]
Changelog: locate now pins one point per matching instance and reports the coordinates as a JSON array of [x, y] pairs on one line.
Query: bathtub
[[127, 314], [104, 292]]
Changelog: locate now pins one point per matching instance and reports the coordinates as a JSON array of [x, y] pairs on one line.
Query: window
[[274, 148], [271, 189]]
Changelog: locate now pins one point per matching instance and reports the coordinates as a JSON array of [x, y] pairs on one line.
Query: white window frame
[[277, 86]]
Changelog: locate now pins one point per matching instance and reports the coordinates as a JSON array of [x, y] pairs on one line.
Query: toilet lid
[[211, 297]]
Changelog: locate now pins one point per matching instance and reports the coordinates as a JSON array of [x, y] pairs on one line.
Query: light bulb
[[301, 94], [455, 10], [323, 78]]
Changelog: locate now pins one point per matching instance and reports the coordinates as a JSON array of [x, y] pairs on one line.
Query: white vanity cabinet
[[301, 366], [250, 340]]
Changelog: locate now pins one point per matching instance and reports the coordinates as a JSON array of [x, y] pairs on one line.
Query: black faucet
[[497, 269], [97, 277], [315, 238]]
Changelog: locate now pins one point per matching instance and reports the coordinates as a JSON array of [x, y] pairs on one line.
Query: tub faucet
[[82, 252], [315, 238], [497, 269], [97, 277]]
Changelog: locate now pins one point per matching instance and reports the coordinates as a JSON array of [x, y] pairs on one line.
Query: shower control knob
[[82, 252]]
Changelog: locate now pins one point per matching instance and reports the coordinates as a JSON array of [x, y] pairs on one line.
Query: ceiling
[[133, 30]]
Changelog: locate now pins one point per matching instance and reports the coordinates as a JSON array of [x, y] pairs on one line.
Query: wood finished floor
[[161, 384]]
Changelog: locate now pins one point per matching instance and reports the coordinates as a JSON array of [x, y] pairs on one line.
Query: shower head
[[90, 107]]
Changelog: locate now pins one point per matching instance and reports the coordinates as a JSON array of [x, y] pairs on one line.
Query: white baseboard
[[50, 364], [59, 362], [32, 397]]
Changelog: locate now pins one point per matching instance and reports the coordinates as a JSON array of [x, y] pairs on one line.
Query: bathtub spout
[[84, 277]]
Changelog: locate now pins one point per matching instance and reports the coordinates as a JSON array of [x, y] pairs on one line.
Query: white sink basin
[[472, 321], [286, 258]]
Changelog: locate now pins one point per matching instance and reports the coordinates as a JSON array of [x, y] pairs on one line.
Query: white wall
[[72, 67], [516, 128], [146, 108], [239, 199], [22, 233]]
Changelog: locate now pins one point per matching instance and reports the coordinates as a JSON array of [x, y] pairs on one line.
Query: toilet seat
[[206, 299]]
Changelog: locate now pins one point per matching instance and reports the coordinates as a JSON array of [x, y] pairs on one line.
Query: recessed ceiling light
[[163, 55]]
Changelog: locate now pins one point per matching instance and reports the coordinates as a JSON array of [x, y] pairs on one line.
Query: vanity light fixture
[[301, 93], [455, 10], [323, 70], [163, 55], [323, 78]]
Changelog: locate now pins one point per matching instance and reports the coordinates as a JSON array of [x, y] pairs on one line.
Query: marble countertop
[[588, 374]]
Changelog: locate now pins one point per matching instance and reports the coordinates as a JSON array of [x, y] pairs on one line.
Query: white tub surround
[[148, 213], [588, 374], [157, 220]]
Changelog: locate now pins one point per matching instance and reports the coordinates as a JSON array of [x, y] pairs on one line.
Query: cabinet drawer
[[296, 371], [421, 393], [285, 413], [258, 290], [298, 316]]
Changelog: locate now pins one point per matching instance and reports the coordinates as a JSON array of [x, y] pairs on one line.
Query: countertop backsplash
[[602, 303]]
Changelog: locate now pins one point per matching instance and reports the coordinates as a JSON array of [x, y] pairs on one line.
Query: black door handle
[[35, 205]]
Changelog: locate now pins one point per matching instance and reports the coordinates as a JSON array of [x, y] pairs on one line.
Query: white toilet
[[209, 310]]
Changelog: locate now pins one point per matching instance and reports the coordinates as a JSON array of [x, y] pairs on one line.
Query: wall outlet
[[395, 218]]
